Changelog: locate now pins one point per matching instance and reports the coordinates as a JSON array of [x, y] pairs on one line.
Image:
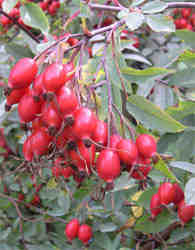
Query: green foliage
[[147, 84]]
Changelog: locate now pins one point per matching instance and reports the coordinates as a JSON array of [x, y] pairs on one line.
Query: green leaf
[[137, 2], [152, 71], [4, 234], [187, 166], [183, 78], [84, 10], [181, 145], [8, 5], [154, 7], [187, 36], [107, 227], [64, 202], [163, 96], [163, 168], [123, 182], [145, 197], [56, 212], [160, 23], [190, 192], [146, 225], [152, 116], [182, 110], [33, 16], [134, 20]]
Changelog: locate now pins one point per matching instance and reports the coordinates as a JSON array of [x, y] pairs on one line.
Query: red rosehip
[[72, 228], [85, 233], [166, 193], [23, 73], [54, 77], [155, 205], [108, 165], [84, 123], [179, 194], [185, 212], [146, 145], [67, 100], [127, 151], [186, 12]]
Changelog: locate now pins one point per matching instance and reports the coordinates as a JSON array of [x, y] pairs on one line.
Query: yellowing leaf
[[137, 211]]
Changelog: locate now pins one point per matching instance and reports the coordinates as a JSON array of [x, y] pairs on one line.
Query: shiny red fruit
[[186, 12], [83, 157], [166, 193], [146, 145], [185, 212], [100, 134], [142, 170], [28, 108], [67, 172], [108, 165], [114, 140], [56, 171], [54, 77], [5, 21], [38, 88], [179, 194], [67, 100], [72, 228], [183, 23], [43, 5], [127, 151], [15, 96], [40, 141], [85, 233], [50, 116], [23, 73], [27, 149], [155, 205], [84, 123]]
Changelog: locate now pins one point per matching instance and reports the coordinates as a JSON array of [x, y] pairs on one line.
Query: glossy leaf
[[151, 115], [33, 16], [160, 23]]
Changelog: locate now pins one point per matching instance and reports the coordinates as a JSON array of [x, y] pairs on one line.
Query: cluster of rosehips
[[56, 120], [74, 229], [49, 6], [171, 193], [184, 19]]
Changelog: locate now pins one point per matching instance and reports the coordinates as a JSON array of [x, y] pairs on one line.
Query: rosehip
[[67, 100], [72, 228], [166, 193], [108, 165], [23, 73], [186, 12], [146, 145], [28, 108], [54, 77], [100, 133], [40, 141], [127, 151], [85, 233], [179, 194], [185, 212], [83, 157], [155, 205], [84, 123]]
